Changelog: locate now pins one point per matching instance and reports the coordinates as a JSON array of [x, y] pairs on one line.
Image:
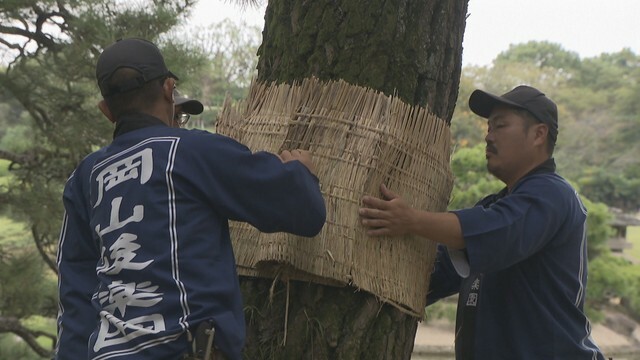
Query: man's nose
[[489, 137]]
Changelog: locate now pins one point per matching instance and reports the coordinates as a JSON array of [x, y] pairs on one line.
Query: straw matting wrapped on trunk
[[359, 139]]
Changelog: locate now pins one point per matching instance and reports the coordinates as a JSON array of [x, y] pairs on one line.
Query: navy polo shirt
[[526, 252], [145, 254]]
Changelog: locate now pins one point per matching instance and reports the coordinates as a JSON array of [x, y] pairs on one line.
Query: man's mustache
[[490, 148]]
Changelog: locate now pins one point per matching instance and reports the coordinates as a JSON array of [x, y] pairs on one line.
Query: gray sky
[[588, 27]]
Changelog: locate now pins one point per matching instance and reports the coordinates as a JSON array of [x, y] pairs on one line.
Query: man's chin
[[492, 169]]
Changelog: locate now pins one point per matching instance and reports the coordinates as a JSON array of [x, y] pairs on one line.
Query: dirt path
[[438, 337]]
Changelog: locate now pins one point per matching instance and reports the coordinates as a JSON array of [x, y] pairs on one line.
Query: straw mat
[[359, 139]]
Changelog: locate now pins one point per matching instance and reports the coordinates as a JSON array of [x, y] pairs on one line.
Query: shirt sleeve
[[444, 281], [77, 259], [513, 228], [260, 189]]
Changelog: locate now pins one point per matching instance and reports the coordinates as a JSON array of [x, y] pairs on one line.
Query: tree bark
[[410, 48], [301, 320]]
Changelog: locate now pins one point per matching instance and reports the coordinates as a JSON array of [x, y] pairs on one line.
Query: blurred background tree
[[229, 50]]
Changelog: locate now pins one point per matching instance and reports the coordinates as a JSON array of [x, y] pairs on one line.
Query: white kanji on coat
[[472, 300], [138, 165], [114, 221], [121, 256]]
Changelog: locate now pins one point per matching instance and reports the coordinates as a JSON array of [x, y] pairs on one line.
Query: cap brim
[[190, 106], [482, 103]]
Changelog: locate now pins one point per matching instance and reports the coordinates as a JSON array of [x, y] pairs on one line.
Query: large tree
[[408, 48]]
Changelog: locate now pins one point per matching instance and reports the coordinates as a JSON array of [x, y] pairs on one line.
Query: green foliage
[[4, 170], [45, 325], [24, 288], [230, 49], [14, 234], [16, 138], [613, 277], [13, 348], [10, 111], [633, 236], [228, 65], [444, 309], [540, 54], [55, 89], [472, 180], [467, 128], [616, 189], [598, 229]]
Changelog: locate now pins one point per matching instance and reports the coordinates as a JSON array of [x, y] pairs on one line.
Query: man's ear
[[541, 133], [167, 87], [102, 105]]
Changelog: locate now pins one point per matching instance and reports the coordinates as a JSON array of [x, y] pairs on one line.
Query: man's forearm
[[442, 227]]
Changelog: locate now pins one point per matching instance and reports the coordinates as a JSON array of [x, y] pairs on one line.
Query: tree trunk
[[301, 320], [410, 48]]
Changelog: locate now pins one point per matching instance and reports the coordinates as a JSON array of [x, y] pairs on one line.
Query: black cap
[[521, 97], [189, 106], [138, 54]]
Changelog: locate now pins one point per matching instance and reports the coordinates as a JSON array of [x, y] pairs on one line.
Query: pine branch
[[40, 242], [10, 324], [14, 157]]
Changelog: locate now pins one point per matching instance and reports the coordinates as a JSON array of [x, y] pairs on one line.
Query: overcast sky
[[588, 27]]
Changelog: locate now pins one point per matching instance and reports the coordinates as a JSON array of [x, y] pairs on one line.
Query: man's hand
[[393, 216], [389, 215], [301, 155]]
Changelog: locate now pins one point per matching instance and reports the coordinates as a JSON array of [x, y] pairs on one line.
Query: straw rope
[[359, 139]]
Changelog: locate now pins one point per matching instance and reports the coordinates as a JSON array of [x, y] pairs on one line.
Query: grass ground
[[633, 236]]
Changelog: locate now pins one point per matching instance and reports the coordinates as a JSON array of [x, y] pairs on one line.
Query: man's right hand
[[301, 155]]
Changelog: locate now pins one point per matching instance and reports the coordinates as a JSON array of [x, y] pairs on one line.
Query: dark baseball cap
[[137, 54], [522, 97], [190, 106]]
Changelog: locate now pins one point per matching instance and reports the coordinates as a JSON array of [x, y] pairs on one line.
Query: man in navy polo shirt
[[184, 107], [518, 259], [145, 259]]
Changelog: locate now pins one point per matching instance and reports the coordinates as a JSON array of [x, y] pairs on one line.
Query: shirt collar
[[548, 166], [131, 122]]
